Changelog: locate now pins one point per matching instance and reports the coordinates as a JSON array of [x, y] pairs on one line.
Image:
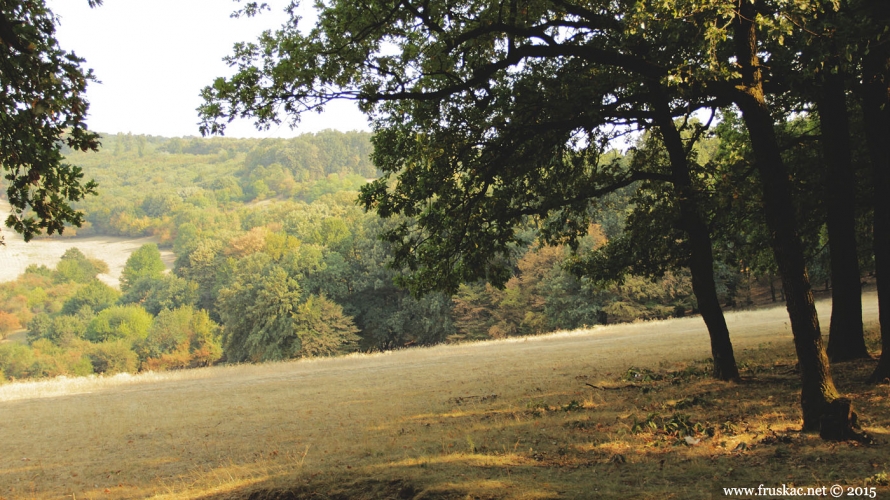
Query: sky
[[153, 58]]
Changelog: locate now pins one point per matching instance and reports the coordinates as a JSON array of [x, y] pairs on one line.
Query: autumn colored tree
[[8, 324]]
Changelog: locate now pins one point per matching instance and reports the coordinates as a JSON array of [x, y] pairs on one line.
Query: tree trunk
[[817, 385], [701, 261], [876, 115], [845, 340]]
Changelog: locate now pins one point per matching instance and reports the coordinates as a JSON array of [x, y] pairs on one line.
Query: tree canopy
[[43, 107], [489, 116]]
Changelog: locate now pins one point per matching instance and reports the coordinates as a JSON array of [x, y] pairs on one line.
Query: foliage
[[257, 312], [128, 323], [8, 324], [113, 356], [76, 267], [16, 360], [61, 330], [180, 338], [51, 360], [323, 329], [95, 295], [43, 108], [156, 294], [145, 262]]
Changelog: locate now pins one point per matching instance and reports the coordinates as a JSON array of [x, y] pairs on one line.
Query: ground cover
[[613, 412]]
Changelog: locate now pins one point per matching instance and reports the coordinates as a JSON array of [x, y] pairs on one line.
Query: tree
[[95, 295], [129, 323], [875, 97], [508, 75], [8, 324], [323, 329], [43, 109], [145, 262], [258, 310], [157, 294], [487, 114], [180, 338], [75, 266], [818, 392]]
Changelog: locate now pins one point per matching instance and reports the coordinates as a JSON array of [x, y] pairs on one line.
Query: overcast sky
[[154, 57]]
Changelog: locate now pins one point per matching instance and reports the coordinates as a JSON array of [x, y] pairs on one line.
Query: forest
[[276, 260]]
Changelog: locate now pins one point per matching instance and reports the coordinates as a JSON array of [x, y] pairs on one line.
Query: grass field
[[507, 419], [16, 255]]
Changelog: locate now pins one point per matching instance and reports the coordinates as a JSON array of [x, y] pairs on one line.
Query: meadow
[[612, 412], [16, 255]]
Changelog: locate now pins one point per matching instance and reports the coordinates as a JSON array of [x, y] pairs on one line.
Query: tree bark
[[701, 261], [817, 385], [845, 340], [876, 116]]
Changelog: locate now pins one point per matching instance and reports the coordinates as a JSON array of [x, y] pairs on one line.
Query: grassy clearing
[[513, 419], [16, 255]]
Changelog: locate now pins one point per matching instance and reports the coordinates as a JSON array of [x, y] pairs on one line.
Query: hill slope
[[396, 418]]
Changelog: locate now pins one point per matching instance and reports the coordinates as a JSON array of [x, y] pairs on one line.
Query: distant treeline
[[275, 260], [147, 181]]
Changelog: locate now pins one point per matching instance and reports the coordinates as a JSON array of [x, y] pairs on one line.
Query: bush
[[180, 338], [8, 324], [95, 294], [67, 328], [118, 323], [112, 357], [50, 360], [16, 360], [76, 267]]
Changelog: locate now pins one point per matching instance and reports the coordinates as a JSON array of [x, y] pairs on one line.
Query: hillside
[[253, 227], [498, 419]]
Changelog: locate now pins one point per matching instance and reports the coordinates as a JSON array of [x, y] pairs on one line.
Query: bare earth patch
[[17, 255], [504, 419]]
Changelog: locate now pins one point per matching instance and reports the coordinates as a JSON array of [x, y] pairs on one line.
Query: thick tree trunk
[[817, 385], [701, 261], [876, 115], [845, 340]]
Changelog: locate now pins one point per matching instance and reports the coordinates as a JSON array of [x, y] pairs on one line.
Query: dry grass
[[509, 419], [17, 255]]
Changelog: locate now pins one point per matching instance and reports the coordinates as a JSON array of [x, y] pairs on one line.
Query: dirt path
[[17, 255]]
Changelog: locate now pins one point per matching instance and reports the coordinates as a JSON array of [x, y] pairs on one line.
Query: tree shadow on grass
[[644, 434]]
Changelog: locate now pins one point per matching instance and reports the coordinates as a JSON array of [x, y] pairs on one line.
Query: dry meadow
[[16, 255], [613, 412]]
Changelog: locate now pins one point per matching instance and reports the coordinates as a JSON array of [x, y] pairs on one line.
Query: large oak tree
[[487, 113], [43, 106]]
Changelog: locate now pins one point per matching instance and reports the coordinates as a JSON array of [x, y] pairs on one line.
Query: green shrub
[[16, 360], [120, 322], [50, 360], [112, 357], [180, 338], [95, 294]]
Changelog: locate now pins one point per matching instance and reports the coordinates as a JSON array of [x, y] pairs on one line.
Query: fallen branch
[[618, 388]]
